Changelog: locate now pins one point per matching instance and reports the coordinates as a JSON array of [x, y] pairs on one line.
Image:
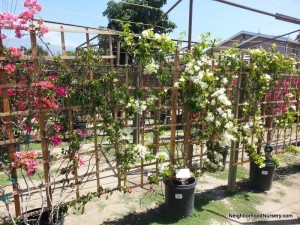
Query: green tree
[[130, 10], [70, 53]]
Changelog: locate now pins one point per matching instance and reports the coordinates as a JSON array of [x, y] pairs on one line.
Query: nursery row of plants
[[72, 129]]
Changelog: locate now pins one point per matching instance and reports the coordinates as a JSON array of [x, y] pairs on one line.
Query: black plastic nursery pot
[[34, 215], [79, 125], [179, 198], [261, 179]]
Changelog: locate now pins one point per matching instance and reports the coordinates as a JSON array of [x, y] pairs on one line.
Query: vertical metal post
[[63, 43], [188, 147], [190, 25]]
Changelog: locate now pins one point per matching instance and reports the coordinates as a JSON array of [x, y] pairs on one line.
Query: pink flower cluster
[[55, 140], [27, 161], [57, 128], [61, 91], [15, 52], [8, 19], [282, 95], [46, 85], [44, 103], [81, 133], [79, 159], [9, 68]]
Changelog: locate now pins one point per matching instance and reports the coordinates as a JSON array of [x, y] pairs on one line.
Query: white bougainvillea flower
[[151, 68], [141, 150], [210, 117]]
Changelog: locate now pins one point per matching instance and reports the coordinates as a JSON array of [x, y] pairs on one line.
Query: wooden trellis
[[103, 170]]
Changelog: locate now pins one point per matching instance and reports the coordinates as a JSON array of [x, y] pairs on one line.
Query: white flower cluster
[[165, 37], [126, 133], [256, 51], [194, 66], [136, 105], [141, 150], [162, 156], [229, 57], [256, 121], [227, 137], [266, 78], [198, 78], [221, 96], [151, 68], [147, 33], [151, 100], [160, 37], [210, 117]]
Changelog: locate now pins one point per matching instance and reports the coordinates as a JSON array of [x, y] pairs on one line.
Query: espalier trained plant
[[265, 82], [203, 89]]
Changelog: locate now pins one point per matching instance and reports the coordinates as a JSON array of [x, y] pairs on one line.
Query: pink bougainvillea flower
[[81, 133], [234, 81], [196, 115], [27, 128], [3, 36], [46, 85], [82, 161], [44, 103], [52, 77], [43, 30], [18, 30], [15, 52], [10, 68], [55, 140], [57, 127], [61, 91], [18, 155], [26, 15], [26, 160], [32, 154]]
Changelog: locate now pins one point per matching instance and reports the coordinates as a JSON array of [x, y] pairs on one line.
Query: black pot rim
[[181, 186], [268, 164]]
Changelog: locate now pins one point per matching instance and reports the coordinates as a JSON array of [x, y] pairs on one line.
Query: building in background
[[246, 39]]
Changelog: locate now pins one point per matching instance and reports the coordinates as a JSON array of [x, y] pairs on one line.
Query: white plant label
[[183, 173], [264, 172], [178, 196]]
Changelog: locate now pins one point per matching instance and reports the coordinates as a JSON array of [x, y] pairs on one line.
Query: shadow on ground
[[158, 216]]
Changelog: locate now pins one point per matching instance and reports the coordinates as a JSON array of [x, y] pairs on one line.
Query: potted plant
[[265, 83], [179, 184], [261, 178]]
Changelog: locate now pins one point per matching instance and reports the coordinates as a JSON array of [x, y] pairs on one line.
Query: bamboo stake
[[174, 109], [234, 154]]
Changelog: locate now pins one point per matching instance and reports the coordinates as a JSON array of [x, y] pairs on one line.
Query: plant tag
[[178, 196], [183, 173], [264, 172]]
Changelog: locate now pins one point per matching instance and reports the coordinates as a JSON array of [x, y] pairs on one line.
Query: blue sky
[[223, 21]]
